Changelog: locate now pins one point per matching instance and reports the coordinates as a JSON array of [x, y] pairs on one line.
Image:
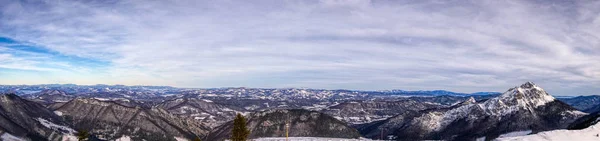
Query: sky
[[456, 45]]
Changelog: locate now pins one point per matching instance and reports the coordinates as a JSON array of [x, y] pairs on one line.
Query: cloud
[[457, 45]]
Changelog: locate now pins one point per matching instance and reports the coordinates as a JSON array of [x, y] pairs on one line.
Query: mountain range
[[57, 112]]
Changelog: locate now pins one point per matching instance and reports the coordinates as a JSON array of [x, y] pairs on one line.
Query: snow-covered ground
[[69, 138], [591, 133], [515, 134], [124, 138], [59, 113], [308, 139], [9, 137], [181, 139], [56, 127]]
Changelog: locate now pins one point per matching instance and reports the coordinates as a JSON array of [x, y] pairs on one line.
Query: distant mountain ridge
[[76, 89], [588, 104], [436, 93]]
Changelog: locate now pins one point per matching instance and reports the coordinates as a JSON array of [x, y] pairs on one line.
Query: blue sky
[[462, 46]]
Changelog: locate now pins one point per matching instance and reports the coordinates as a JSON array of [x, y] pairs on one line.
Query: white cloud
[[456, 45]]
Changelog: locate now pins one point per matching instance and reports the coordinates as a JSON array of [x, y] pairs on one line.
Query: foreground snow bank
[[9, 137], [308, 139], [591, 133]]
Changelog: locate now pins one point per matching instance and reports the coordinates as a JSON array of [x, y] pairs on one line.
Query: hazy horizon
[[459, 46], [291, 88]]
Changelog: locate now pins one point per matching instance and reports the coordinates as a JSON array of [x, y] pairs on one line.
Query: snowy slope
[[591, 133], [308, 139], [9, 137]]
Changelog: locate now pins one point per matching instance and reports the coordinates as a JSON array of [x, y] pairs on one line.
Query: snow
[[124, 138], [69, 138], [575, 112], [591, 133], [56, 127], [167, 95], [101, 99], [206, 100], [181, 139], [121, 99], [59, 113], [308, 139], [9, 137], [334, 104], [515, 134]]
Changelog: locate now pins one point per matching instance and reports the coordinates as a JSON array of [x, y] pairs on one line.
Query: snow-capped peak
[[529, 93], [526, 96], [528, 84]]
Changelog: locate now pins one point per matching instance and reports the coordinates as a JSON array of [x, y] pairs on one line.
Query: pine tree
[[83, 135], [239, 131], [196, 139]]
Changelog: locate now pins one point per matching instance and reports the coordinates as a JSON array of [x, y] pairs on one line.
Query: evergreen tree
[[82, 135], [196, 139], [239, 131]]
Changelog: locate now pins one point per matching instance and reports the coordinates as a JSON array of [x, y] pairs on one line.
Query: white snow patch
[[101, 99], [69, 138], [9, 137], [515, 134], [227, 110], [59, 113], [124, 138], [576, 112], [206, 100], [591, 133], [56, 127], [308, 139], [181, 139], [167, 95]]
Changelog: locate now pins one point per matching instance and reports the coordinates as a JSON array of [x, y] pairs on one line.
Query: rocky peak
[[527, 96], [528, 84], [531, 94]]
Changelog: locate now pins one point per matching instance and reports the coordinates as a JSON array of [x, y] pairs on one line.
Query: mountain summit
[[525, 97], [523, 108]]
